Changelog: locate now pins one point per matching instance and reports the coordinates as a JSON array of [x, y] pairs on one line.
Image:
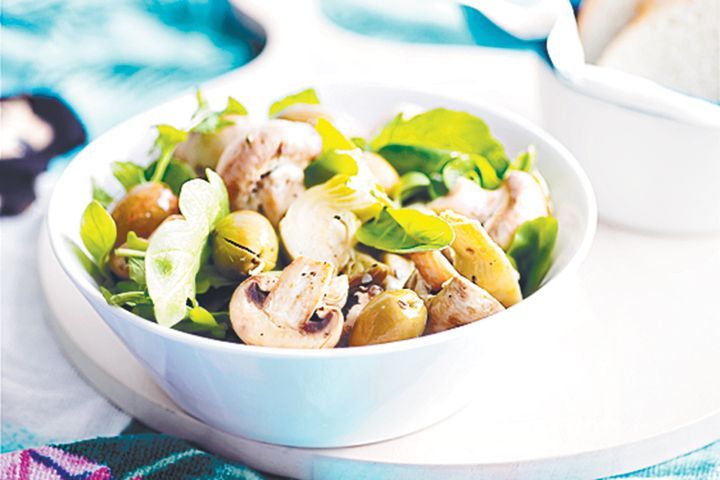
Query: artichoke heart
[[479, 259]]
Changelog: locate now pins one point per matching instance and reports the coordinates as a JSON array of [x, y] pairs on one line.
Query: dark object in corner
[[35, 129]]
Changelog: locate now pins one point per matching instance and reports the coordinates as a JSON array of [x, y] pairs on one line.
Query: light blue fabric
[[703, 464], [110, 60]]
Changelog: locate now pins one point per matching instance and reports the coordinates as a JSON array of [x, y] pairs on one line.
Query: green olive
[[244, 243], [389, 317], [142, 209]]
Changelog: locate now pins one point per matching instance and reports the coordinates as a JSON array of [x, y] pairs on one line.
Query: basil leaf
[[211, 122], [98, 233], [411, 185], [100, 195], [136, 243], [202, 104], [176, 174], [329, 164], [145, 311], [433, 161], [447, 130], [87, 263], [216, 331], [125, 286], [174, 255], [413, 158], [130, 299], [168, 138], [525, 161], [128, 174], [201, 316], [488, 176], [332, 138], [531, 251], [405, 230], [234, 107], [437, 185], [209, 277], [360, 143], [459, 167], [136, 267], [307, 96]]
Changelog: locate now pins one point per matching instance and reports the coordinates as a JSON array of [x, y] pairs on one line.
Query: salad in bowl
[[292, 231]]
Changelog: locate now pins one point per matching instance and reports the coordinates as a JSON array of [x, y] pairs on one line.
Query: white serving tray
[[626, 376]]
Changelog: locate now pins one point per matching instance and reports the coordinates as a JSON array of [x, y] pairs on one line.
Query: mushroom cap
[[470, 199], [381, 170], [203, 150], [299, 308], [458, 303], [400, 270], [259, 151], [311, 113], [526, 200]]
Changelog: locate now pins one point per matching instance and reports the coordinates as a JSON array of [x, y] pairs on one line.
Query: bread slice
[[600, 20], [676, 44]]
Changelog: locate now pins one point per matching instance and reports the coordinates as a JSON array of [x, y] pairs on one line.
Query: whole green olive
[[389, 317], [244, 243], [143, 209]]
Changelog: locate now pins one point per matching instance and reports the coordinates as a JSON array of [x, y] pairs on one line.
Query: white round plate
[[626, 376]]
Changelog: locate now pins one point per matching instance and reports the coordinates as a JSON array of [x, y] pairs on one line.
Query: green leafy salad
[[296, 232]]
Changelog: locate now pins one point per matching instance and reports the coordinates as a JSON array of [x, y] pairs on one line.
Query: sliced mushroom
[[417, 284], [470, 199], [263, 168], [384, 173], [525, 200], [477, 257], [203, 150], [400, 270], [278, 189], [300, 308], [458, 303], [337, 293], [358, 297], [310, 113], [363, 269]]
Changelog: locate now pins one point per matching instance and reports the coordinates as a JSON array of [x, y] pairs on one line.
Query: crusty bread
[[599, 21], [675, 43]]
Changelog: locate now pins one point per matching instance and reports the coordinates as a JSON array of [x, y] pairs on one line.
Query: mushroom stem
[[434, 268], [298, 292], [299, 308]]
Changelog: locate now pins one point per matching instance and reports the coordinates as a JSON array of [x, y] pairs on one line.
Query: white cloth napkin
[[42, 398]]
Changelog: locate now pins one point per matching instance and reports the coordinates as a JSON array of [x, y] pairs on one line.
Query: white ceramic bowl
[[652, 153], [338, 397], [650, 172]]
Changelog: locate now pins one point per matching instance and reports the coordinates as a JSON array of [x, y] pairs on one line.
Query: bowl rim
[[91, 291]]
